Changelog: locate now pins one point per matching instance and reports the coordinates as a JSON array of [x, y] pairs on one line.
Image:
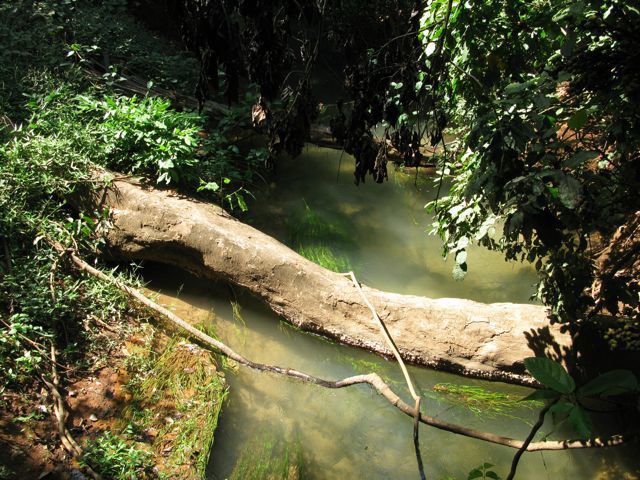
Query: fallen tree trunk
[[372, 379], [482, 340]]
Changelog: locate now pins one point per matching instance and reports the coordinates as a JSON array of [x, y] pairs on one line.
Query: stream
[[379, 231]]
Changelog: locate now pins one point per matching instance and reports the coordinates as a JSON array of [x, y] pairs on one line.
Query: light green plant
[[483, 472], [18, 358], [310, 235], [114, 457], [325, 257], [145, 136], [480, 401], [263, 457]]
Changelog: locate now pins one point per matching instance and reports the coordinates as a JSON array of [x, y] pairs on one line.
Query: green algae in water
[[480, 401], [360, 365], [335, 427], [325, 257], [240, 326], [288, 328], [264, 457], [311, 236], [308, 225]]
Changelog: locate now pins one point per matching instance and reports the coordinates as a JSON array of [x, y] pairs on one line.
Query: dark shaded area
[[542, 344]]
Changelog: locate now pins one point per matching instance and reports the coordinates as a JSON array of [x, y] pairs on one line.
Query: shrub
[[116, 458]]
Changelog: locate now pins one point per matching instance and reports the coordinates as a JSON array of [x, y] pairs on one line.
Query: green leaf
[[492, 474], [610, 383], [209, 187], [462, 243], [515, 88], [562, 408], [569, 191], [581, 157], [475, 473], [461, 257], [551, 374], [459, 271], [578, 120], [580, 421], [543, 394]]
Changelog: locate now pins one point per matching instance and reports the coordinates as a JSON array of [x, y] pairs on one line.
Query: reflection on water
[[354, 433], [387, 225]]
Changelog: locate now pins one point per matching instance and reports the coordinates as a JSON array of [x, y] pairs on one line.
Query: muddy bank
[[134, 405], [482, 340]]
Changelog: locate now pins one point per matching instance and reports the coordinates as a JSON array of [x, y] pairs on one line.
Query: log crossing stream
[[379, 232]]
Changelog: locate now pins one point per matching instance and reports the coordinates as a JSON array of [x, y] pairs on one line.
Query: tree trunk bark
[[482, 340]]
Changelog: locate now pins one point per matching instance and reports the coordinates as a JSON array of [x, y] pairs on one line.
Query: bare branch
[[529, 439], [68, 442], [403, 367]]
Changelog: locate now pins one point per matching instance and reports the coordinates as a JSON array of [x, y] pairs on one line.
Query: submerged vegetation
[[484, 403], [318, 240], [264, 457]]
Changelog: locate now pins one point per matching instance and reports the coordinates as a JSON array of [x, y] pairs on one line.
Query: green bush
[[17, 359], [144, 135], [58, 123]]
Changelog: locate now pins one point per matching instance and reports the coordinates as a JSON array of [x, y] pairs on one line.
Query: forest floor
[[30, 444], [137, 390]]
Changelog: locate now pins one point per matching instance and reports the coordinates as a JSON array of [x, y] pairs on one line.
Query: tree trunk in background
[[463, 336]]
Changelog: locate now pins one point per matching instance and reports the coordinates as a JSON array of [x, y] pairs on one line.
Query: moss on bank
[[177, 394], [185, 392]]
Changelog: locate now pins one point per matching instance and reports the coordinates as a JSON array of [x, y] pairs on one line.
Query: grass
[[179, 400], [263, 458], [117, 458], [307, 224], [311, 236], [325, 257], [480, 401]]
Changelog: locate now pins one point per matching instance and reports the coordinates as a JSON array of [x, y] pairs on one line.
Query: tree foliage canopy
[[540, 95], [547, 92]]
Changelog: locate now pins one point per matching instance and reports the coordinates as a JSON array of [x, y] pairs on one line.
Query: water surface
[[387, 226], [354, 433]]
